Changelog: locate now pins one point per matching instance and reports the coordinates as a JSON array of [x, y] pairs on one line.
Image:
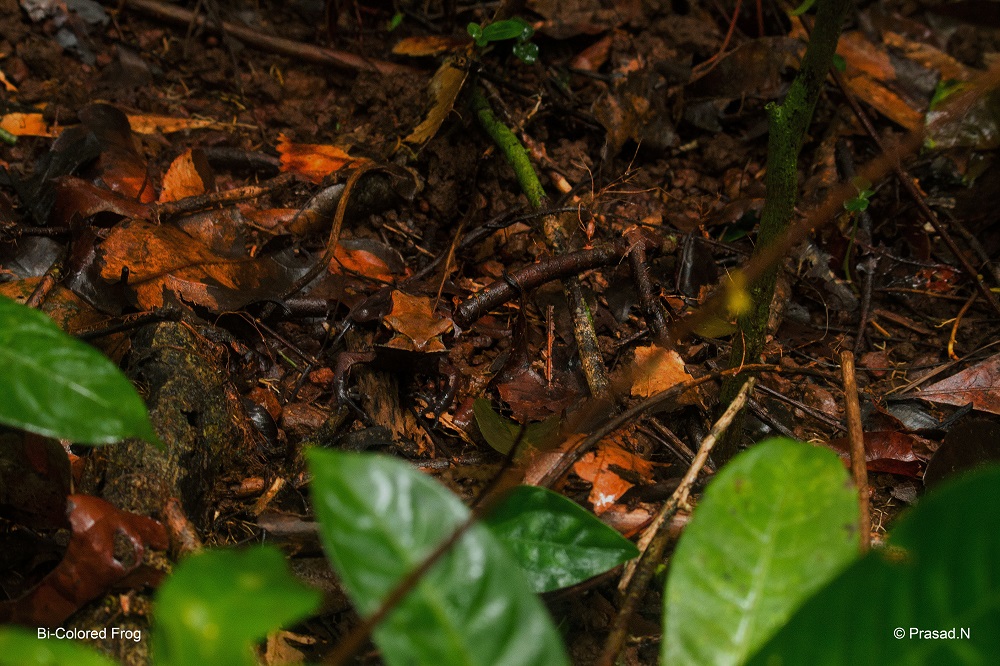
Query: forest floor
[[647, 128]]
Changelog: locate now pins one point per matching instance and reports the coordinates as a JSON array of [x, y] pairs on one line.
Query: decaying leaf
[[658, 370], [312, 161], [604, 468], [444, 88], [979, 385]]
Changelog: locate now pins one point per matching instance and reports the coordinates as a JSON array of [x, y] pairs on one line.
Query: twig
[[656, 537], [954, 327], [856, 437], [271, 43]]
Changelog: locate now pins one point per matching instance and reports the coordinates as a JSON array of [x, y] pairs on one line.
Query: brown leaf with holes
[[106, 546], [605, 468]]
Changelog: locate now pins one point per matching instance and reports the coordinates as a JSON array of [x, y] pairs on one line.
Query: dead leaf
[[185, 177], [598, 468], [658, 370], [892, 452], [94, 561], [444, 88], [428, 45], [979, 385], [312, 161]]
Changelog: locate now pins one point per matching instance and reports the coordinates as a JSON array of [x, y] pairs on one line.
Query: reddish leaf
[[312, 161], [979, 385], [888, 451], [189, 175], [94, 561]]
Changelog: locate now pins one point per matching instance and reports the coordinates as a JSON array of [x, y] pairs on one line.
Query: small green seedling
[[515, 28], [859, 204]]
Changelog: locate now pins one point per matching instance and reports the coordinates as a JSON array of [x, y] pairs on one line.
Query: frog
[[410, 339]]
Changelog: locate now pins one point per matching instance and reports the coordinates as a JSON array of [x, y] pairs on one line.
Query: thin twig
[[654, 541], [856, 437]]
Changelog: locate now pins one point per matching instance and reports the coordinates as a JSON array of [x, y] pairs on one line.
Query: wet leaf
[[556, 542], [379, 519], [57, 386], [774, 525], [218, 603], [937, 573]]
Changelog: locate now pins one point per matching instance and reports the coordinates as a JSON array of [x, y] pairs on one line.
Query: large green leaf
[[940, 573], [557, 542], [21, 647], [379, 519], [55, 385], [775, 524], [218, 603]]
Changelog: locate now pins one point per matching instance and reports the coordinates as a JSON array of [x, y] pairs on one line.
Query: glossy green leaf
[[527, 52], [557, 542], [508, 29], [22, 647], [379, 519], [501, 433], [57, 386], [218, 603], [774, 525], [939, 574]]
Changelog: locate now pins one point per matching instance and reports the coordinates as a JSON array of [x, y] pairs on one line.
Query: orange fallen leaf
[[312, 161], [608, 486]]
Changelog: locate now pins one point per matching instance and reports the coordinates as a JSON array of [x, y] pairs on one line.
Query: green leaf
[[939, 573], [510, 29], [526, 53], [21, 647], [774, 525], [57, 386], [557, 542], [803, 8], [218, 603], [839, 63], [476, 32], [379, 519], [501, 433]]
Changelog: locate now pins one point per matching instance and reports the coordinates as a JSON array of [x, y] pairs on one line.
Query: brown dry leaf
[[444, 88], [979, 385], [90, 565], [416, 324], [27, 124], [531, 398], [312, 161], [164, 260], [871, 76], [184, 178], [608, 486], [360, 262], [152, 124], [428, 45], [658, 370]]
